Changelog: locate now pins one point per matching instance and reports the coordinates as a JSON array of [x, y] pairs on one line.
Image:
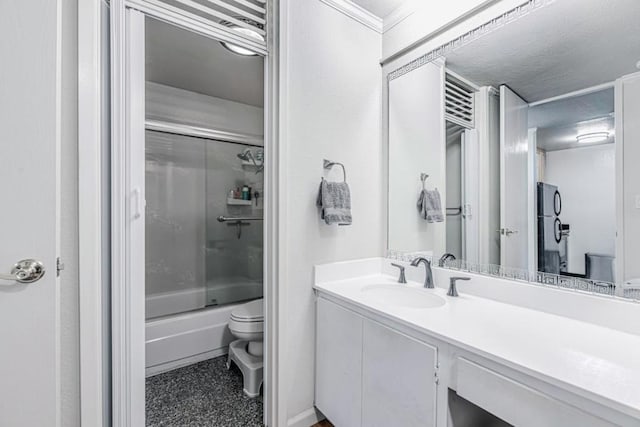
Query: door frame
[[107, 374], [93, 256]]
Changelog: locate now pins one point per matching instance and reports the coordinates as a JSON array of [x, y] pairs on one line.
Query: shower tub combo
[[198, 269]]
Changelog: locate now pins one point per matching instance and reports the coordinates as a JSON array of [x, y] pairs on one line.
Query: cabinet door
[[338, 364], [398, 379]]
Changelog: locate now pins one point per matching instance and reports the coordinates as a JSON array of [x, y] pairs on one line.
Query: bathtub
[[192, 335]]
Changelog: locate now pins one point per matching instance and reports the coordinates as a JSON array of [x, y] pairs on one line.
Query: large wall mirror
[[518, 155]]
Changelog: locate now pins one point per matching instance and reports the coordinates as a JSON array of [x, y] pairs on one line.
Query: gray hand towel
[[429, 206], [334, 200]]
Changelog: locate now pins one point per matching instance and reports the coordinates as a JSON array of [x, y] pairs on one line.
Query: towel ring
[[328, 164], [423, 178]]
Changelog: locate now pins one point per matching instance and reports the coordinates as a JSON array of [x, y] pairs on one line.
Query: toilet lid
[[250, 312]]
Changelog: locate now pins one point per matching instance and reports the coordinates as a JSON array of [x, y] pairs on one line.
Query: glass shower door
[[234, 199]]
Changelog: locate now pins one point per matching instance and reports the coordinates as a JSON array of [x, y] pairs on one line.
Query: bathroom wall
[[330, 108], [588, 199]]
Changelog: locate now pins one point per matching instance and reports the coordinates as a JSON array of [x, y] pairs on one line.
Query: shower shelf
[[249, 163], [239, 202]]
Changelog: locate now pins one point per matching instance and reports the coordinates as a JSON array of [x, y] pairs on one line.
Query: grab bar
[[222, 218]]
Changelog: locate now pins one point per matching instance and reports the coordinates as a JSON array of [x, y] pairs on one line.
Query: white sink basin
[[402, 296]]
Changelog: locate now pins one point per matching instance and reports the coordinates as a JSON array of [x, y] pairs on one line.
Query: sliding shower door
[[203, 223], [235, 200], [175, 223]]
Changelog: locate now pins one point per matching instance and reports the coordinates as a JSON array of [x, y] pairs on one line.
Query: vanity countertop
[[592, 361]]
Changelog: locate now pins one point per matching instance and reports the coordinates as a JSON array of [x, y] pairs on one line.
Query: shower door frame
[[127, 222]]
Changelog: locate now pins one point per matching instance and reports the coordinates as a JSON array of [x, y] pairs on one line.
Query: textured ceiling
[[380, 8], [565, 46], [182, 59], [560, 122]]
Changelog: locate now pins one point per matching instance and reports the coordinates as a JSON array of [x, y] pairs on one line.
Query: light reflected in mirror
[[528, 136]]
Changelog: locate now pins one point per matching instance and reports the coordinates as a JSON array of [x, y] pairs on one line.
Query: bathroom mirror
[[530, 144]]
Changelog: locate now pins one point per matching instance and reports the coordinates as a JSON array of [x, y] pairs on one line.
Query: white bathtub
[[178, 340]]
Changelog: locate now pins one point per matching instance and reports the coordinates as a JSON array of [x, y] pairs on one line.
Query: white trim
[[275, 405], [200, 132], [619, 266], [90, 219], [585, 91], [356, 13], [532, 212], [398, 15], [306, 418]]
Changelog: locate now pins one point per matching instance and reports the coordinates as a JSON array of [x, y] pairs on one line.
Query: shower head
[[246, 156]]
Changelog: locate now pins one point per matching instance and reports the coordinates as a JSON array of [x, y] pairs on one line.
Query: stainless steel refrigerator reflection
[[549, 229]]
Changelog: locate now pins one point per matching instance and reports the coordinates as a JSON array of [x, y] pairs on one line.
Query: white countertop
[[593, 361]]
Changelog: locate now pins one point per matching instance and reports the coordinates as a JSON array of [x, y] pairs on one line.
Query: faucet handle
[[401, 278], [453, 291]]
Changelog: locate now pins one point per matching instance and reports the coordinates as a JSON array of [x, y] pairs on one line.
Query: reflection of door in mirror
[[514, 180]]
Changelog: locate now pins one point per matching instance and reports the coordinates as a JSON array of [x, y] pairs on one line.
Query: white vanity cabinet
[[339, 364], [370, 375], [399, 379]]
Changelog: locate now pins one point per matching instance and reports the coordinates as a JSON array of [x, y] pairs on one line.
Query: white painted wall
[[586, 180], [416, 145], [330, 108]]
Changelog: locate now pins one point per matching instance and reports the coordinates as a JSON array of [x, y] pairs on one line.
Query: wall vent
[[459, 101], [226, 16]]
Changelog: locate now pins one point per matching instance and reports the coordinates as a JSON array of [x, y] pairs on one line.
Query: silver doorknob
[[507, 232], [25, 271]]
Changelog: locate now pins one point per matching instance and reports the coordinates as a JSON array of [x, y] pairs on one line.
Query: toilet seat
[[247, 319], [250, 312]]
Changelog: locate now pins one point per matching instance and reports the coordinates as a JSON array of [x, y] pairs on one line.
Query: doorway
[[188, 178]]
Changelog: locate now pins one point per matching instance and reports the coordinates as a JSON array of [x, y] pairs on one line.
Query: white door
[[29, 225], [627, 98], [514, 180]]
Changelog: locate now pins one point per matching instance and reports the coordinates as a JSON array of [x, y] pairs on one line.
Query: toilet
[[247, 324]]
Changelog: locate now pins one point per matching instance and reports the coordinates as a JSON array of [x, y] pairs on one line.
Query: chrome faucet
[[401, 278], [428, 275], [444, 258], [453, 291]]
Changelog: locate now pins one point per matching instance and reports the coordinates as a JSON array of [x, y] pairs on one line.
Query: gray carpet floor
[[204, 394]]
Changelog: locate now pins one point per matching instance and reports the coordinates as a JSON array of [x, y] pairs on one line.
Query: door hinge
[[59, 266]]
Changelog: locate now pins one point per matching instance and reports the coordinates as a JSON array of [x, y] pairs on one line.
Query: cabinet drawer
[[516, 403]]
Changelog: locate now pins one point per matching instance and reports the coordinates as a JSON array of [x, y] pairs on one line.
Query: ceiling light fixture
[[593, 137], [247, 32]]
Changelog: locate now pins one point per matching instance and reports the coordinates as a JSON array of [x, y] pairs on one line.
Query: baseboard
[[306, 418], [180, 363]]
